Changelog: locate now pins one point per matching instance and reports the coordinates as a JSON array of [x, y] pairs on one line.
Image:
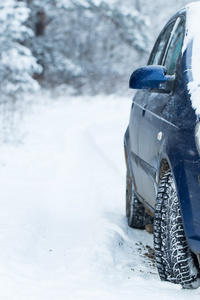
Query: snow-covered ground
[[63, 233]]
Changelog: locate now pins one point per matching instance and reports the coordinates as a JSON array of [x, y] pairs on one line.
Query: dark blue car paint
[[146, 75], [173, 115]]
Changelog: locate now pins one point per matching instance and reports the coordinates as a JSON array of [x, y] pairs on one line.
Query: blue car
[[162, 149]]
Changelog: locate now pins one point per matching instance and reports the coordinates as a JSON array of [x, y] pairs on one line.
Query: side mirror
[[153, 78]]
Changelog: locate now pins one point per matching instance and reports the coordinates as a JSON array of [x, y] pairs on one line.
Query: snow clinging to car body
[[192, 31]]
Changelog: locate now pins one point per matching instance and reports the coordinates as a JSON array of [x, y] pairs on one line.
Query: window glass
[[158, 50], [174, 49]]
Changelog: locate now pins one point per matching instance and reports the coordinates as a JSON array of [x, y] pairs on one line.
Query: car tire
[[175, 261], [135, 211]]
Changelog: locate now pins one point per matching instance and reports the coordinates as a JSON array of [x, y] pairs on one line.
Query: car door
[[138, 110], [153, 122]]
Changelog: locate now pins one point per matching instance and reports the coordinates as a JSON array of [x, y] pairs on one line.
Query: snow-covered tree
[[90, 44], [17, 64]]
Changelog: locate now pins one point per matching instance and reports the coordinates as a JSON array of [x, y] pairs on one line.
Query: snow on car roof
[[192, 31]]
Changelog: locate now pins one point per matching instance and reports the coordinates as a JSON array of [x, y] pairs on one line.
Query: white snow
[[63, 233], [193, 33]]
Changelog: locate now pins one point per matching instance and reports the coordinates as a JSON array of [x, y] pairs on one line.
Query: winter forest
[[88, 46], [64, 108]]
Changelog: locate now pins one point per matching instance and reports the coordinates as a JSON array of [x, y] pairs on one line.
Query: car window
[[161, 43], [174, 48]]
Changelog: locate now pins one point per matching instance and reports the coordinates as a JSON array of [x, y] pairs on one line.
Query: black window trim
[[152, 55], [176, 22]]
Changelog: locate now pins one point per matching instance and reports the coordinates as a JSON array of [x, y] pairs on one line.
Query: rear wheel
[[135, 211], [175, 261]]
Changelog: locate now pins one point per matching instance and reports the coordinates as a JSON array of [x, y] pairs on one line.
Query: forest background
[[74, 46]]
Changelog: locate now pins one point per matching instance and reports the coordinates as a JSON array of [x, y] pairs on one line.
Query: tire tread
[[175, 261]]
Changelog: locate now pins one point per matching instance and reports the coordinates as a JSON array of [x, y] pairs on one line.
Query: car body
[[163, 132]]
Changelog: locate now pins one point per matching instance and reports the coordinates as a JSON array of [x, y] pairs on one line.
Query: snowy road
[[63, 233]]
